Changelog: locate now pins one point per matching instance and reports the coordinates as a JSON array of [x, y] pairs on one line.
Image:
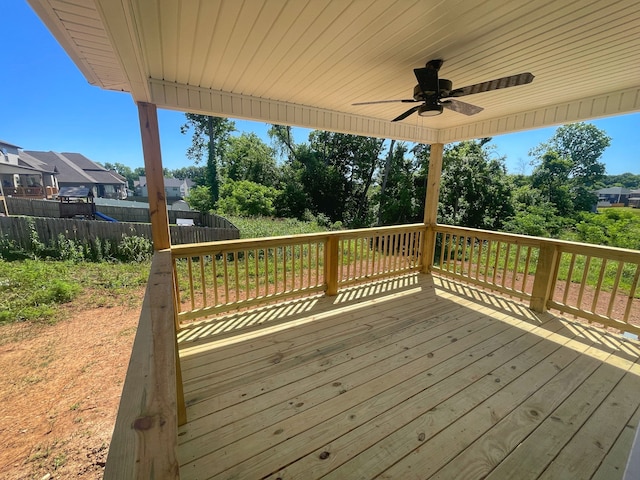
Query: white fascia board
[[615, 103], [186, 98]]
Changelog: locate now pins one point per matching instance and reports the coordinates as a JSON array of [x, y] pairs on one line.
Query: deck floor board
[[408, 379]]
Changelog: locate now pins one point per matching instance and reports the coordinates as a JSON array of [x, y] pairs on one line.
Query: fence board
[[48, 208], [17, 229]]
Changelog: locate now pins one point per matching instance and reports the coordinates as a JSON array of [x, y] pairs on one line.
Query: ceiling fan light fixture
[[428, 110]]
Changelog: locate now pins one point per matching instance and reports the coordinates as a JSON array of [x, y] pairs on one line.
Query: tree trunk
[[385, 176], [367, 185], [212, 168]]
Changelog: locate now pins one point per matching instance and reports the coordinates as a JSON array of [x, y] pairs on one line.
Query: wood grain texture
[[444, 382], [144, 440], [148, 117]]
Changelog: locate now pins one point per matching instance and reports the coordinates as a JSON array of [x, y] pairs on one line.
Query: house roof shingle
[[75, 168]]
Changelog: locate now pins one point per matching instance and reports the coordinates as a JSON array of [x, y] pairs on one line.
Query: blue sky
[[47, 104]]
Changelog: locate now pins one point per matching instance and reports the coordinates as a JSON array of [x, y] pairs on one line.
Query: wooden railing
[[30, 192], [145, 436], [217, 277], [596, 283], [502, 262]]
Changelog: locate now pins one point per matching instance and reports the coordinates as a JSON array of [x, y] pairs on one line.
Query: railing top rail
[[563, 245], [145, 436], [230, 245]]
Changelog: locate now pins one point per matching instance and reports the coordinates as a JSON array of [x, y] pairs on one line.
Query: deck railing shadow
[[486, 298], [285, 314], [580, 331]]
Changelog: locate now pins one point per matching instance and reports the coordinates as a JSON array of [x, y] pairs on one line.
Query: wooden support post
[[181, 406], [331, 265], [155, 179], [431, 205], [544, 281]]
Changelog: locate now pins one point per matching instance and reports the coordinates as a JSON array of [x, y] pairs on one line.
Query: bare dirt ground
[[60, 387]]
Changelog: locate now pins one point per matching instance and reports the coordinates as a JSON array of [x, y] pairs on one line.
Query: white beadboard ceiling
[[305, 62]]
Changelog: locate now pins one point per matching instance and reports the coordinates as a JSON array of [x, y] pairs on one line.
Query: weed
[[32, 379], [59, 461]]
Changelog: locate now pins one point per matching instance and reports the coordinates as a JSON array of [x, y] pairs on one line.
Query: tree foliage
[[246, 198], [572, 158], [199, 198], [475, 191], [249, 158], [127, 172], [209, 140], [360, 181]]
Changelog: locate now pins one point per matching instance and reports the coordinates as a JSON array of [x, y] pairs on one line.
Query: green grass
[[34, 290], [273, 227]]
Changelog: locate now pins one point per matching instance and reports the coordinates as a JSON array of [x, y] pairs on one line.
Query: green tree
[[282, 137], [534, 215], [210, 137], [199, 198], [551, 178], [196, 173], [123, 170], [581, 145], [398, 202], [475, 191], [421, 153], [626, 180], [246, 198], [343, 167], [249, 158]]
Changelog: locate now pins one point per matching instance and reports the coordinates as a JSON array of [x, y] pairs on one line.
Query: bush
[[247, 199], [134, 249]]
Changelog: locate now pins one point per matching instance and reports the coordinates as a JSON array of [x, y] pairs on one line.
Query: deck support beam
[[431, 204], [148, 116]]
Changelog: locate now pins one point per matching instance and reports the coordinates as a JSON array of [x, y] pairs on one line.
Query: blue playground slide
[[105, 217]]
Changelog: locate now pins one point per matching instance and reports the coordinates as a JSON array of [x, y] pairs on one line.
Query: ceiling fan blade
[[498, 83], [404, 100], [461, 107], [406, 114]]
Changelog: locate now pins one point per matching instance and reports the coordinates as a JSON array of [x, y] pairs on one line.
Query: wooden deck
[[411, 378]]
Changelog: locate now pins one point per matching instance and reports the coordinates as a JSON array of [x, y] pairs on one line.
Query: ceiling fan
[[435, 93]]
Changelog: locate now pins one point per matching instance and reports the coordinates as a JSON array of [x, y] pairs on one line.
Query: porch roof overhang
[[9, 169], [305, 63]]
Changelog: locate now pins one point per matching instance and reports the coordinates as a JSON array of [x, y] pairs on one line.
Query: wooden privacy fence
[[219, 277], [48, 208], [599, 284], [18, 230]]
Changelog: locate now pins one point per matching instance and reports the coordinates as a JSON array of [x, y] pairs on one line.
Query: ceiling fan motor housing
[[444, 85]]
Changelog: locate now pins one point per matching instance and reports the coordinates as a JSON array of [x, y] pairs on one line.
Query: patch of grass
[[32, 380], [33, 290], [273, 227], [59, 461]]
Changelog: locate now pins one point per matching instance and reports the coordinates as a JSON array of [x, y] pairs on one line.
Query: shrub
[[134, 249]]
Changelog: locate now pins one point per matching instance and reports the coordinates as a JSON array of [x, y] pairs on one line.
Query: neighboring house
[[174, 188], [613, 195], [634, 198], [22, 176], [76, 170]]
